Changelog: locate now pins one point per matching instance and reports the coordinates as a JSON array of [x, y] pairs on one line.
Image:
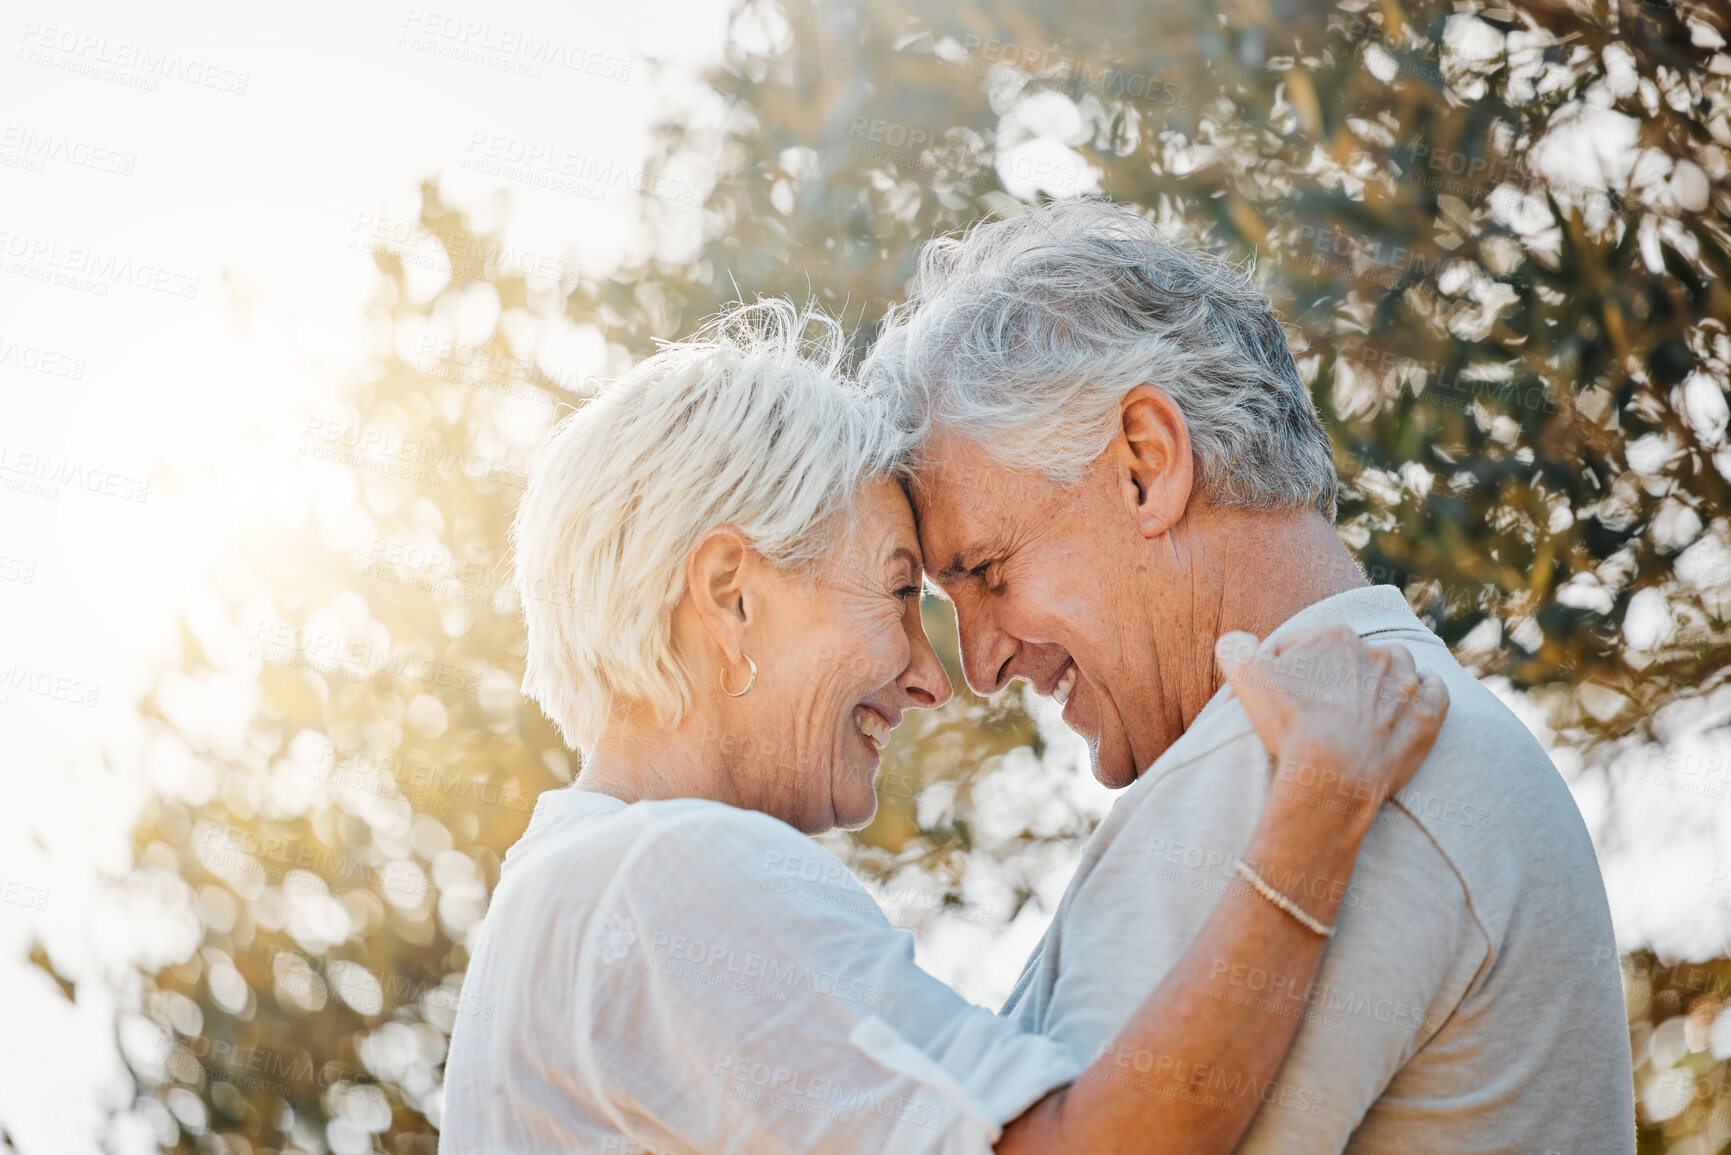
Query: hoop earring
[[748, 685]]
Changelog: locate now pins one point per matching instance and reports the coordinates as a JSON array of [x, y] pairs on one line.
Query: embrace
[[1344, 902]]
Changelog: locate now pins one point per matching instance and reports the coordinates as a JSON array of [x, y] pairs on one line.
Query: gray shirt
[[1472, 999]]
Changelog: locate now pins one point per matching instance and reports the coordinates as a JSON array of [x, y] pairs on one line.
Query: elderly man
[[1117, 464]]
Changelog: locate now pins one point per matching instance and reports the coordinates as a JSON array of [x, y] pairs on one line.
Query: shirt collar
[[563, 809], [1367, 609]]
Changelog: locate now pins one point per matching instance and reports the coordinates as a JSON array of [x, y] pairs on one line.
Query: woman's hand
[[1347, 723]]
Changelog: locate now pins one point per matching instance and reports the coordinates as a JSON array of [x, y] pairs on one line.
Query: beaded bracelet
[[1280, 900]]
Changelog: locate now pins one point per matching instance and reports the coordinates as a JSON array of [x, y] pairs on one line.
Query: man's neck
[[1253, 571]]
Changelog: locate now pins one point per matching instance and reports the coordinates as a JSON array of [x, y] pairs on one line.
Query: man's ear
[[1158, 470], [716, 575]]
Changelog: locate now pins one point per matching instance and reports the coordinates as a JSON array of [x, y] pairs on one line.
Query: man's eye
[[989, 574]]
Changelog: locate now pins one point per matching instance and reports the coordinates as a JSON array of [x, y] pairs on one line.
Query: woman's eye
[[907, 592]]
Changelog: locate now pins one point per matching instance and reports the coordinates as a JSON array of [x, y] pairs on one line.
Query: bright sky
[[186, 201]]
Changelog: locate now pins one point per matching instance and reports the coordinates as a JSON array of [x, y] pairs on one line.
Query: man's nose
[[986, 649]]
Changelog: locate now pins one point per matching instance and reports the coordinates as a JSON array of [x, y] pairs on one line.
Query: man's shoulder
[[1487, 806], [1497, 808], [1488, 795], [1487, 768]]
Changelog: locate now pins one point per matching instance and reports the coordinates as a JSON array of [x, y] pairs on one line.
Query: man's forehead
[[947, 489], [959, 510], [949, 462], [956, 473]]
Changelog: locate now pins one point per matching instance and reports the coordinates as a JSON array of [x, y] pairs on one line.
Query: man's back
[[1472, 1000]]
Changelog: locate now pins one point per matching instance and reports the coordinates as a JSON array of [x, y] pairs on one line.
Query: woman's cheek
[[891, 648]]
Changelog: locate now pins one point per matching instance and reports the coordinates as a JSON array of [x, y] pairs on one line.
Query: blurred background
[[287, 300]]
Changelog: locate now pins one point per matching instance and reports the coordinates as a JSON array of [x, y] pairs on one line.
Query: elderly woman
[[730, 634]]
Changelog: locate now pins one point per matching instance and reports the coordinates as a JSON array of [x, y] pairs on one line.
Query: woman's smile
[[873, 726]]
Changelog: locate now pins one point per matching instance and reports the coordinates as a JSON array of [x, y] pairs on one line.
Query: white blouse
[[684, 976]]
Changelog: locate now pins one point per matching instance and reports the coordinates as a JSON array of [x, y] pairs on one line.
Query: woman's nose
[[925, 682]]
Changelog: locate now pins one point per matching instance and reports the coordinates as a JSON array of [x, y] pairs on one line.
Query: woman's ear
[[1154, 453], [717, 572]]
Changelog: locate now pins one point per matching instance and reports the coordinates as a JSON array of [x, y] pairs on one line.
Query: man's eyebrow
[[951, 572]]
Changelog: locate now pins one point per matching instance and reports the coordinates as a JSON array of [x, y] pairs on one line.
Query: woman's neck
[[641, 763]]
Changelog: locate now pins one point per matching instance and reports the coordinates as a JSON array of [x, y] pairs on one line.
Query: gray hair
[[1024, 334], [750, 423]]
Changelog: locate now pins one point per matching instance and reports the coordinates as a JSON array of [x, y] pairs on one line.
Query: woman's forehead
[[881, 532]]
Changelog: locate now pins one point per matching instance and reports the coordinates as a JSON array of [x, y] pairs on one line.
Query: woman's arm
[[1141, 1093]]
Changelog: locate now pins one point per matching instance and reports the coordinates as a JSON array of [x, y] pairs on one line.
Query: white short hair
[[1024, 335], [753, 423]]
